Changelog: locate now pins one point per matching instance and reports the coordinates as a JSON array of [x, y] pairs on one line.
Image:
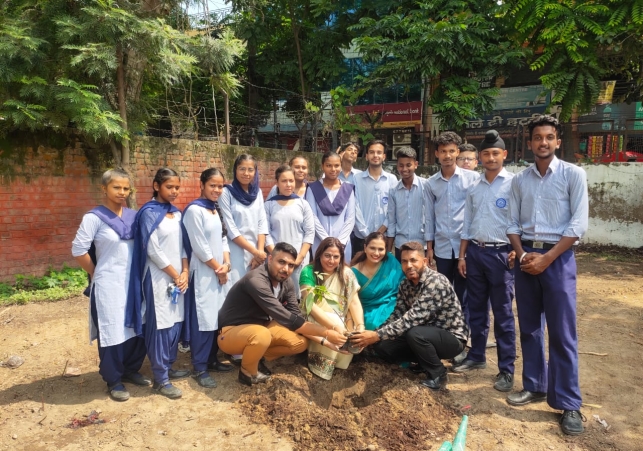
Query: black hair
[[328, 155], [162, 176], [545, 119], [284, 247], [412, 246], [295, 158], [361, 255], [345, 146], [325, 244], [240, 159], [446, 138], [205, 176], [209, 173], [468, 147], [377, 141], [281, 169], [406, 152]]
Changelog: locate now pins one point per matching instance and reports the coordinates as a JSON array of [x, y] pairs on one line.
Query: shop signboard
[[390, 115]]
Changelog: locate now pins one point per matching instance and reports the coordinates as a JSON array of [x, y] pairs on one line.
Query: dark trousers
[[398, 255], [200, 341], [118, 360], [162, 344], [357, 245], [425, 344], [550, 297], [489, 279], [449, 268], [214, 350]]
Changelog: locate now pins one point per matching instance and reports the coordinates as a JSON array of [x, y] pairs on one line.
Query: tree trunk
[[122, 106], [302, 80], [227, 118], [116, 153]]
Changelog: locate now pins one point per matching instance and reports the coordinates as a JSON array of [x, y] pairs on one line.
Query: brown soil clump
[[368, 406]]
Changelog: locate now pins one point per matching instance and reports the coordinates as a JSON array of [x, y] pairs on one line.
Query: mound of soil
[[370, 405]]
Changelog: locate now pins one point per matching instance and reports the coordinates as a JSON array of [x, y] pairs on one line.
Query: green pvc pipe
[[460, 440], [446, 446]]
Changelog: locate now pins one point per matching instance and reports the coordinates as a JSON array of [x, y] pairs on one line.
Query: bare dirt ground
[[369, 404]]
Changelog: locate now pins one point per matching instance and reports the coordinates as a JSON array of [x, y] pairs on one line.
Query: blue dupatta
[[246, 198], [147, 220], [327, 207], [123, 226]]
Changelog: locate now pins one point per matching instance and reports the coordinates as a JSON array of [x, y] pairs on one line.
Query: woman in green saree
[[378, 274], [344, 314]]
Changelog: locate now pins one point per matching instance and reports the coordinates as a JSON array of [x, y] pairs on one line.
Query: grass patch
[[53, 286], [613, 254], [621, 258]]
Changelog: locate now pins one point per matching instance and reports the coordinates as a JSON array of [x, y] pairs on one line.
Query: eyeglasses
[[248, 170], [465, 159]]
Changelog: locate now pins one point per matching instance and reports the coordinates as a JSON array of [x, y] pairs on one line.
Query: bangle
[[322, 342], [461, 258], [521, 257]]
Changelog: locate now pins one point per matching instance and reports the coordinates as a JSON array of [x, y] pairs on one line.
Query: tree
[[94, 66], [294, 49], [453, 46], [577, 44]]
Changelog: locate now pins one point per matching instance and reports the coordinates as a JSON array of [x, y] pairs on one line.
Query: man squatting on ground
[[484, 262], [427, 324], [260, 318], [549, 214]]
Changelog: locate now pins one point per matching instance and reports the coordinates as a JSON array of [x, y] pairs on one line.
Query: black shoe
[[118, 393], [178, 374], [504, 382], [572, 422], [263, 368], [137, 379], [525, 397], [204, 379], [168, 390], [468, 365], [249, 380], [235, 362], [460, 357], [416, 368], [220, 367], [437, 383]]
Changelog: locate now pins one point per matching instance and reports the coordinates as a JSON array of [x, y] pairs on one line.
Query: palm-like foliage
[[97, 66], [454, 45]]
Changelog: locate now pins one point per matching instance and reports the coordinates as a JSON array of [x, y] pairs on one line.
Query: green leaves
[[442, 43], [569, 39], [319, 293], [88, 110]]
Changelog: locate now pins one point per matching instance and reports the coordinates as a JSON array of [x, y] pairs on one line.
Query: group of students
[[232, 272]]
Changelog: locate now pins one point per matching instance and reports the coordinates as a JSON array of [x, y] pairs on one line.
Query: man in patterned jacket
[[427, 324]]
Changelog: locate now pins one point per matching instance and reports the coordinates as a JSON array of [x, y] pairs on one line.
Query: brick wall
[[46, 189]]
